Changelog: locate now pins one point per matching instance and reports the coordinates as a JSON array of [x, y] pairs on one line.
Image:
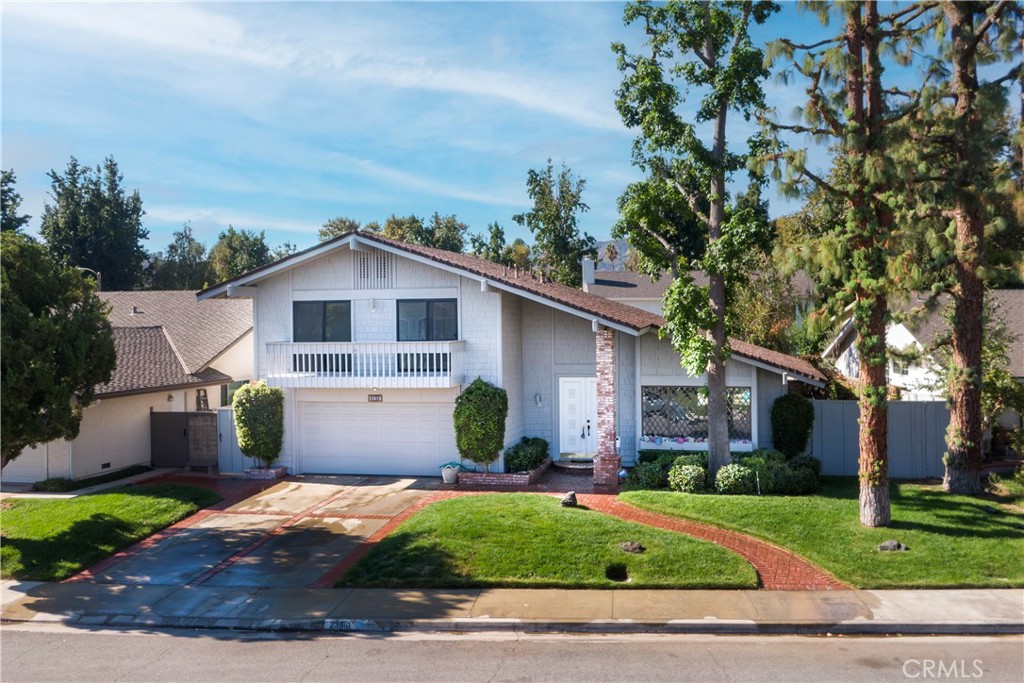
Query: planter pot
[[265, 473], [450, 475]]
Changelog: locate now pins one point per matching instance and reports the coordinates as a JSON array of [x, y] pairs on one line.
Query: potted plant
[[259, 423], [450, 472]]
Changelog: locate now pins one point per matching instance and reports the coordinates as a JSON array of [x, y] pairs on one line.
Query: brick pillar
[[607, 462]]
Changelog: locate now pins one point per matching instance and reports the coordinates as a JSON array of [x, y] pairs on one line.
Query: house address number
[[375, 398]]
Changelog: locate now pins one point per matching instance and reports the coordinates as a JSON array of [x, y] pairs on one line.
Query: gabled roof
[[148, 361], [199, 330], [613, 313]]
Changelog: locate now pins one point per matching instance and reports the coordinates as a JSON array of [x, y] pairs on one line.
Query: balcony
[[364, 365]]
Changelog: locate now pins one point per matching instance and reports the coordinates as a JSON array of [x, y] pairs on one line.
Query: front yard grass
[[52, 539], [955, 541], [530, 541]]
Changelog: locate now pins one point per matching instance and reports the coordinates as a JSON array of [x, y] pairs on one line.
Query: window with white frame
[[680, 414]]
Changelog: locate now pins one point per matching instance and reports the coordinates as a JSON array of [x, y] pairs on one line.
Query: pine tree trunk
[[963, 437], [874, 416]]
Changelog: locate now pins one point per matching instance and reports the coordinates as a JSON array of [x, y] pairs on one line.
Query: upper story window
[[428, 320], [322, 321]]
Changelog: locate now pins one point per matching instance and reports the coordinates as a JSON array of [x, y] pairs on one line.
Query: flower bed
[[504, 478]]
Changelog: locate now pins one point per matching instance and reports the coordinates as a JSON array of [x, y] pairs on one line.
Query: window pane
[[337, 321], [681, 413], [740, 421], [444, 321], [307, 321], [412, 321]]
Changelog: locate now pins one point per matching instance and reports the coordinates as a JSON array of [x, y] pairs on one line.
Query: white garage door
[[375, 438]]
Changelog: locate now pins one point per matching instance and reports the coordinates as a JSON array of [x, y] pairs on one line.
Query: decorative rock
[[632, 547], [892, 546], [569, 500]]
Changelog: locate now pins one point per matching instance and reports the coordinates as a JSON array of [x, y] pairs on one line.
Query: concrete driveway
[[287, 536]]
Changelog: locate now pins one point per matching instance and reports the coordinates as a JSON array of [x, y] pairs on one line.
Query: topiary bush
[[259, 421], [735, 479], [480, 413], [687, 478], [648, 475], [792, 420], [526, 455]]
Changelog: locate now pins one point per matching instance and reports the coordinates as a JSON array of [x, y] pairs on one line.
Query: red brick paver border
[[778, 568]]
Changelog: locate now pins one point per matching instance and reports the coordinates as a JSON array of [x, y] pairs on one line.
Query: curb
[[488, 625]]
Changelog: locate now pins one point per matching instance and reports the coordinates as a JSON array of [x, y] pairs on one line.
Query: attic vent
[[136, 311], [373, 270]]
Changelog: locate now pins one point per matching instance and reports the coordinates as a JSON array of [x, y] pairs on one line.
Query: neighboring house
[[917, 380], [372, 340], [174, 354], [641, 291]]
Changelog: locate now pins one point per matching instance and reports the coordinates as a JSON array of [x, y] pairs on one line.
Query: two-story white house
[[372, 339]]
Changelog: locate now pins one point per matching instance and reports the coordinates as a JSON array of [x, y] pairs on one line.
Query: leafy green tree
[[764, 307], [492, 247], [237, 252], [447, 232], [553, 222], [94, 224], [479, 416], [185, 264], [57, 346], [850, 108], [519, 254], [10, 201], [283, 250], [338, 225], [700, 65], [259, 421]]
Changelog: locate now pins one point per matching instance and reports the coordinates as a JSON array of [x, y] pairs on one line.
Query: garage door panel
[[362, 438]]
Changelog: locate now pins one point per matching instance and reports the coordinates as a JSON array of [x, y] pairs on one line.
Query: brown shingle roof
[[585, 302], [146, 361], [199, 330]]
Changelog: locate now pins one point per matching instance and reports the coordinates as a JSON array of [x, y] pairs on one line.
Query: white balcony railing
[[359, 365]]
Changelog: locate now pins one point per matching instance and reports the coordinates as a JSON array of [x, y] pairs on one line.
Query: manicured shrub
[[648, 475], [648, 455], [769, 455], [735, 479], [698, 459], [806, 462], [480, 413], [764, 471], [259, 421], [798, 481], [526, 454], [792, 420], [687, 478]]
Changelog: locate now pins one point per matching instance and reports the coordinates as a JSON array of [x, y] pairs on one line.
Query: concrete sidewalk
[[604, 611]]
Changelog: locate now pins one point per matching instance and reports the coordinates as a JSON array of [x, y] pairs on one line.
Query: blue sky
[[279, 116]]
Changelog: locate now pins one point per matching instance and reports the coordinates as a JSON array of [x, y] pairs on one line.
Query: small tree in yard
[[259, 421], [480, 413]]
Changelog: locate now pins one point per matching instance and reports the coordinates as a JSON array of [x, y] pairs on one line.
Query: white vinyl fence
[[917, 438]]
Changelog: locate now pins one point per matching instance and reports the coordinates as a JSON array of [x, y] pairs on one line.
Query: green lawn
[[524, 540], [51, 539], [955, 541]]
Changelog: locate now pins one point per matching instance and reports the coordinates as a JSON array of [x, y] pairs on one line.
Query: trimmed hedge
[[259, 421], [526, 455], [648, 475], [735, 479], [792, 420], [687, 478], [480, 413]]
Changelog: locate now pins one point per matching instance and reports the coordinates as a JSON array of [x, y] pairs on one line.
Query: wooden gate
[[183, 439]]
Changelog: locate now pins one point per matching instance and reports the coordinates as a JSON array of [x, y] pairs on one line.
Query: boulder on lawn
[[632, 547], [569, 500], [892, 546]]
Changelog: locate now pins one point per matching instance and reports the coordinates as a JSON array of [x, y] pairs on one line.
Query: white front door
[[577, 411]]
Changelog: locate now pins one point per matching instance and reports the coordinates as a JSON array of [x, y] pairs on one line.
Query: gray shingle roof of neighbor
[[147, 361], [1009, 304], [199, 330], [629, 285], [584, 302]]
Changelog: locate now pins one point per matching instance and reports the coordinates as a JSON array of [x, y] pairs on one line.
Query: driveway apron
[[287, 536]]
